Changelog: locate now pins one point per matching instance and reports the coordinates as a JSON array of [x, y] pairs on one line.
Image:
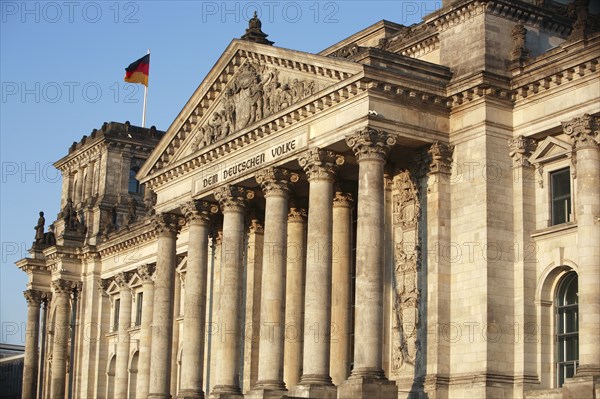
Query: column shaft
[[367, 379], [275, 185], [30, 363], [294, 296], [143, 379], [122, 362], [192, 361], [162, 325], [61, 336], [320, 167], [340, 289], [232, 200]]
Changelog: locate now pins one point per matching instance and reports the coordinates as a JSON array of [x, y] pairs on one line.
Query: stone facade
[[396, 216]]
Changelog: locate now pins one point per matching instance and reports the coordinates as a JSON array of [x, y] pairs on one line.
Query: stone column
[[320, 167], [275, 184], [233, 205], [30, 363], [143, 380], [523, 185], [294, 296], [62, 292], [367, 379], [167, 226], [197, 214], [341, 287], [122, 362], [254, 264], [78, 189], [584, 132], [89, 181]]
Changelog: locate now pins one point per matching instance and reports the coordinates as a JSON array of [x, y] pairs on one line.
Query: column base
[[159, 396], [226, 392], [265, 393], [191, 394], [368, 384], [313, 390], [581, 386]]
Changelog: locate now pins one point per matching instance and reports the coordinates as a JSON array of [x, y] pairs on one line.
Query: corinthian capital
[[320, 164], [275, 181], [369, 143], [167, 223], [520, 149], [33, 297], [233, 198], [297, 215], [341, 199], [145, 272], [65, 286], [199, 211], [441, 158], [122, 279], [583, 131]]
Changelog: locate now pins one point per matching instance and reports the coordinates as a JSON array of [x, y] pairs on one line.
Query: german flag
[[137, 72]]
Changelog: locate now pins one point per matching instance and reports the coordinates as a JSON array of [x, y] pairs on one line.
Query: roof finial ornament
[[254, 32]]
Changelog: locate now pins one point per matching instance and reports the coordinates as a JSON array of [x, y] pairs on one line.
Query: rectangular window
[[560, 187], [138, 313], [116, 315]]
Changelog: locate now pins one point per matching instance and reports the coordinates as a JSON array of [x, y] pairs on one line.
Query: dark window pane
[[560, 182]]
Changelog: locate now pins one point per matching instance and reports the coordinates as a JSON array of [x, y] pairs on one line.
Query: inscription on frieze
[[227, 170]]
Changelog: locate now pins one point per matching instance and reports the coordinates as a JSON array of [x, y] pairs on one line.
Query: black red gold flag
[[137, 72]]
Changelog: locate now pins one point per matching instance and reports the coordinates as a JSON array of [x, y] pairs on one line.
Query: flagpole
[[145, 100]]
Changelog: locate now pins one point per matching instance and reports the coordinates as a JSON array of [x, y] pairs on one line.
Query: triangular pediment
[[251, 85], [550, 149]]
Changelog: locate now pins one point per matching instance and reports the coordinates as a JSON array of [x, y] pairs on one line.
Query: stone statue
[[39, 229], [69, 215], [132, 211]]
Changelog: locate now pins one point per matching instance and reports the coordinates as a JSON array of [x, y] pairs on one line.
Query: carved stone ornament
[[33, 297], [369, 143], [519, 51], [521, 149], [233, 198], [62, 286], [583, 131], [102, 286], [441, 158], [320, 164], [297, 215], [343, 200], [145, 272], [346, 51], [275, 181], [122, 279], [167, 223], [406, 350], [256, 227], [256, 92], [199, 211]]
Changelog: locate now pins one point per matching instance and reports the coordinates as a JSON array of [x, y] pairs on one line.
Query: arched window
[[134, 184], [567, 328]]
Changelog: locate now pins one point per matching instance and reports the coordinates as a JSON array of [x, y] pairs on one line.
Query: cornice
[[128, 239], [518, 11], [29, 265]]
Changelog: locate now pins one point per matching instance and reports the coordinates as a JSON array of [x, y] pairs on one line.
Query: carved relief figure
[[255, 92]]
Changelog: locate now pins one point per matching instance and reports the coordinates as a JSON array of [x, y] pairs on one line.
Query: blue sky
[[61, 72]]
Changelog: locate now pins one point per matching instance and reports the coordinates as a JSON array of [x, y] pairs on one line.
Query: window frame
[[568, 216], [562, 336]]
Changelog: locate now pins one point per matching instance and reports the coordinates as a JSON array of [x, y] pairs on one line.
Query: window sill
[[556, 229]]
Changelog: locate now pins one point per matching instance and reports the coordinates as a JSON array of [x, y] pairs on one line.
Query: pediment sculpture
[[256, 92]]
